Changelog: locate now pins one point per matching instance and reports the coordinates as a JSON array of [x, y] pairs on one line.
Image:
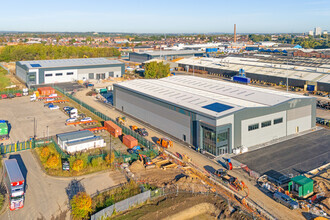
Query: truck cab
[[73, 113]]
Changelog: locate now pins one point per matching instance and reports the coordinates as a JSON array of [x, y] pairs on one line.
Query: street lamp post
[[287, 75], [47, 133]]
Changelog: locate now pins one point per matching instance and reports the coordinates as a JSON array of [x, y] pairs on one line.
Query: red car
[[18, 94], [4, 96]]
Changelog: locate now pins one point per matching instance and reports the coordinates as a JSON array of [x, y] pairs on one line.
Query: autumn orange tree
[[110, 159], [78, 165], [44, 153], [81, 205], [53, 161]]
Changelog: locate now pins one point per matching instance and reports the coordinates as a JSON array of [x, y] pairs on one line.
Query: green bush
[[2, 198], [98, 161]]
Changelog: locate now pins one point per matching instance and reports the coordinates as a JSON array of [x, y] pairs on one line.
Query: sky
[[169, 16]]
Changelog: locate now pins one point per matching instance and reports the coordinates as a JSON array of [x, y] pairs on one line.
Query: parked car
[[10, 96], [82, 115], [86, 119], [285, 200], [50, 99], [18, 94], [71, 120], [66, 108], [4, 96], [48, 104], [65, 165], [52, 107], [142, 132]]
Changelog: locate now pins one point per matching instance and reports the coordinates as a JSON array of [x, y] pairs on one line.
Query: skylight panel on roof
[[217, 107], [35, 65]]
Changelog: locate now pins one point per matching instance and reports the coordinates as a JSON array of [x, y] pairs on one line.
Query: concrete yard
[[294, 156], [20, 113], [47, 197]]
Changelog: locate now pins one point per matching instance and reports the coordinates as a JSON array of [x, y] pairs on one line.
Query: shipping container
[[3, 130], [112, 128], [241, 79], [130, 141], [46, 91], [310, 88]]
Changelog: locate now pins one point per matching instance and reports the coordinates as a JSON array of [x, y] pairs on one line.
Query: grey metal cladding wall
[[296, 113], [42, 70], [21, 73], [256, 112], [170, 121]]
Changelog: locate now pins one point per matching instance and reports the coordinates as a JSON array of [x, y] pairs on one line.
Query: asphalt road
[[294, 156], [47, 197]]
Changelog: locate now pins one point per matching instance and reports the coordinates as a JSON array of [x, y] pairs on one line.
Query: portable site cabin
[[301, 185]]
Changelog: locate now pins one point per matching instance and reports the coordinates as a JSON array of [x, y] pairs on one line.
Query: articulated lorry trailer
[[15, 183], [3, 130]]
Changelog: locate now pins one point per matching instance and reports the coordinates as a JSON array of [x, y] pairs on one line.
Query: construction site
[[195, 184]]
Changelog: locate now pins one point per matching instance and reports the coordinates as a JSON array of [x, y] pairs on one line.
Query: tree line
[[156, 70], [45, 52]]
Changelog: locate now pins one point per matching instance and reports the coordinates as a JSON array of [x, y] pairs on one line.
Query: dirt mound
[[194, 211], [137, 166], [185, 206], [187, 179]]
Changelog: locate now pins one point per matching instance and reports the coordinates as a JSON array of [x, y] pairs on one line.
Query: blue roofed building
[[38, 72], [213, 115]]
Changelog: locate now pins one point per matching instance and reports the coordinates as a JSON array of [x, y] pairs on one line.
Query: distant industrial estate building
[[257, 69], [213, 115], [165, 54], [38, 72]]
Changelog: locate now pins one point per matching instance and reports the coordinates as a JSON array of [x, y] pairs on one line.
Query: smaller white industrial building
[[36, 72], [72, 142]]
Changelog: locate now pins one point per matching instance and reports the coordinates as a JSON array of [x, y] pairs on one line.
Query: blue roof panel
[[217, 107], [35, 65]]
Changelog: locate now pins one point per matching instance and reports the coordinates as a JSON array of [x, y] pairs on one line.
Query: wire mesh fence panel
[[125, 130]]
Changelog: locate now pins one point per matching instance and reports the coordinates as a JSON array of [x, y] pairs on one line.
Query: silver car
[[285, 200]]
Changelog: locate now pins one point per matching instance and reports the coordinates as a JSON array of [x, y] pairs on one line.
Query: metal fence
[[15, 147], [144, 142], [122, 205]]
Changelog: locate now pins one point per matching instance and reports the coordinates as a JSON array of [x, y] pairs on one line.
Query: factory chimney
[[234, 33]]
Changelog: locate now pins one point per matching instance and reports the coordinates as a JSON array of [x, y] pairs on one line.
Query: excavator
[[147, 162], [121, 120], [164, 142], [233, 181]]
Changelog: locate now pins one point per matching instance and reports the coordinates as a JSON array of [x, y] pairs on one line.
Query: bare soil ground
[[184, 206], [155, 176], [323, 186]]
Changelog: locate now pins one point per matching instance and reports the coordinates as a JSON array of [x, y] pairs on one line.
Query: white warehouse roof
[[170, 52], [211, 97], [67, 62], [255, 66]]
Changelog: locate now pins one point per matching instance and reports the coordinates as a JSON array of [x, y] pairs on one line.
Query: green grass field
[[4, 80]]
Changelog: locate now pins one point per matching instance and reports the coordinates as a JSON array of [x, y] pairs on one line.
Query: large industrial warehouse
[[213, 115], [38, 72], [316, 75], [166, 54]]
